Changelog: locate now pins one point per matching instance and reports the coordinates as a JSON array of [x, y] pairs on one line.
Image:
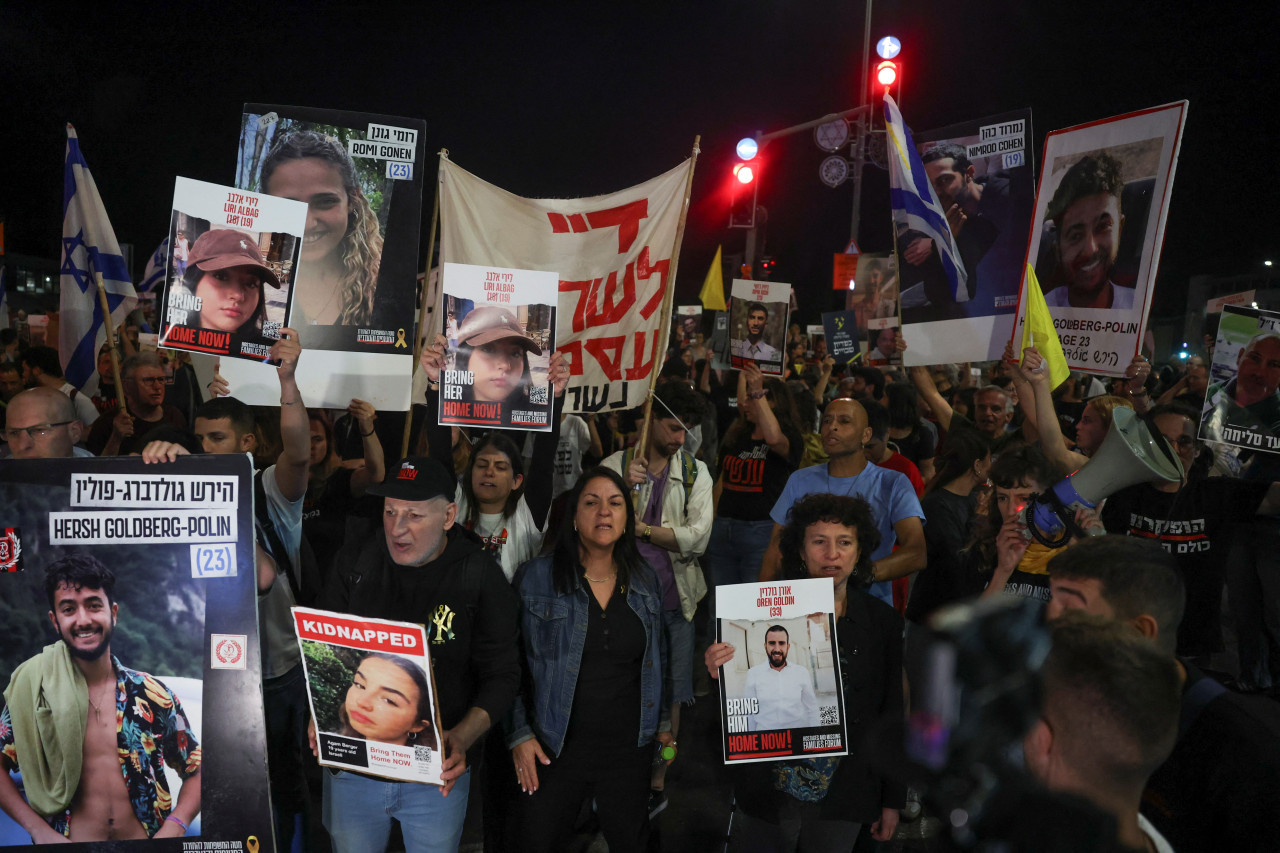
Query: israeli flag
[[153, 275], [912, 197], [89, 248]]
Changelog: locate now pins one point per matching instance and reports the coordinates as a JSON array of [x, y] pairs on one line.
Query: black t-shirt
[[919, 444], [948, 576], [1188, 523], [754, 476], [1217, 789], [328, 511], [1069, 414], [606, 701]]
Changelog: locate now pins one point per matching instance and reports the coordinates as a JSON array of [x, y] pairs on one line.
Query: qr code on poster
[[538, 395], [423, 754], [271, 330], [828, 715]]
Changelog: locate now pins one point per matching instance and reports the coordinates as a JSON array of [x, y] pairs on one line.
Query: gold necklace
[[601, 580]]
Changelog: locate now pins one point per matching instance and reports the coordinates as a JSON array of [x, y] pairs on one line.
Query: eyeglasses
[[150, 380], [34, 432], [1183, 441]]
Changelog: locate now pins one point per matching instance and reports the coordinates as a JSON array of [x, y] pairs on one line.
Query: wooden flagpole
[[111, 337], [422, 309], [667, 299]]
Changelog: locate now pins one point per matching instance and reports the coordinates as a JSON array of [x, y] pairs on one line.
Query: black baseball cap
[[416, 478]]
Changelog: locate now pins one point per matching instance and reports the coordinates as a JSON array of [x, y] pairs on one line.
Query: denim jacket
[[554, 633]]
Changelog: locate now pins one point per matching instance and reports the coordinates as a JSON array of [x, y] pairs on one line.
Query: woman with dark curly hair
[[342, 245], [820, 804]]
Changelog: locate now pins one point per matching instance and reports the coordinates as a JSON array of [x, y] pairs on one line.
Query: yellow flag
[[1038, 331], [712, 293]]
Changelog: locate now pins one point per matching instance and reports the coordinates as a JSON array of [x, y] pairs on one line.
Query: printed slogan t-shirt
[[754, 477]]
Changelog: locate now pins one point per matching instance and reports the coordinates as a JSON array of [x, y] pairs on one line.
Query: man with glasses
[[41, 369], [1193, 521], [143, 377], [42, 424]]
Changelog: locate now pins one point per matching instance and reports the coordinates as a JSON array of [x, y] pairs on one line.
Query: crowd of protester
[[579, 566]]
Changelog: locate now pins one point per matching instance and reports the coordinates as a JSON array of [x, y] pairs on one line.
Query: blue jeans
[[287, 713], [736, 550], [358, 811]]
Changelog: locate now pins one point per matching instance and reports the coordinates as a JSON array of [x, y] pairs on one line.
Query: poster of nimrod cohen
[[132, 700], [780, 694], [1244, 407]]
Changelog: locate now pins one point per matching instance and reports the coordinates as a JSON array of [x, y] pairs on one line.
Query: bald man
[[893, 501], [41, 423]]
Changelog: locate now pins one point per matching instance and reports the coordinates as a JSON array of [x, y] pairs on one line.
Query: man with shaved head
[[894, 505], [42, 423]]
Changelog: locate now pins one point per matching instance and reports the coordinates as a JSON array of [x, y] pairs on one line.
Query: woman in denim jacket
[[591, 704]]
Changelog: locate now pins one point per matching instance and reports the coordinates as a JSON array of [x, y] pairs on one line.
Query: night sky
[[578, 99]]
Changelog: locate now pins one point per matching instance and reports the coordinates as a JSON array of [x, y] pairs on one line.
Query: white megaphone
[[1129, 454]]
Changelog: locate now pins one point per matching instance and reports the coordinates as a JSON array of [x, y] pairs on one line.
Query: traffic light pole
[[859, 139]]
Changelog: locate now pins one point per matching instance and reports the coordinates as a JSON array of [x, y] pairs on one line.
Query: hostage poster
[[1242, 405], [780, 695], [1098, 229], [234, 256], [128, 595], [983, 174], [615, 256], [372, 695], [758, 324], [355, 305], [500, 325]]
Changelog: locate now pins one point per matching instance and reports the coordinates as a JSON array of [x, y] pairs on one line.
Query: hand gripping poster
[[129, 657], [372, 695], [1242, 405], [780, 694], [234, 258], [355, 295], [983, 175], [758, 324], [500, 325], [1098, 229]]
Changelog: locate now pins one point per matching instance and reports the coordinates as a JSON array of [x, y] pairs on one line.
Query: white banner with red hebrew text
[[613, 254]]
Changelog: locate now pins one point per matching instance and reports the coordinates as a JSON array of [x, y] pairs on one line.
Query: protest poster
[[234, 257], [688, 324], [502, 333], [356, 300], [1097, 231], [875, 292], [844, 270], [758, 313], [179, 627], [718, 345], [372, 695], [881, 347], [780, 695], [984, 170], [843, 338], [817, 341], [1242, 407], [615, 255]]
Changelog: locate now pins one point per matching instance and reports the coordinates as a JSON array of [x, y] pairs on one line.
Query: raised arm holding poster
[[1098, 228], [233, 285], [982, 174], [1244, 409], [780, 696], [497, 359], [615, 256], [133, 705], [758, 324], [361, 176], [372, 696]]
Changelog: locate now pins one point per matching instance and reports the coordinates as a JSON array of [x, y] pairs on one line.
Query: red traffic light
[[887, 73], [744, 173]]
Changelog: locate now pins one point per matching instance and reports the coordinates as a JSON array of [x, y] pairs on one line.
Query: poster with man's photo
[[1242, 403], [130, 657], [874, 295], [500, 324], [234, 257], [780, 694], [688, 324], [372, 695], [983, 174], [758, 324], [1098, 229], [355, 306]]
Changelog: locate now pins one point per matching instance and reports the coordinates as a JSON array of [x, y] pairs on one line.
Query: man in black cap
[[424, 568]]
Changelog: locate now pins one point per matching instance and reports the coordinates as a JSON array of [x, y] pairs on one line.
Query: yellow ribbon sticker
[[400, 339], [252, 844]]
